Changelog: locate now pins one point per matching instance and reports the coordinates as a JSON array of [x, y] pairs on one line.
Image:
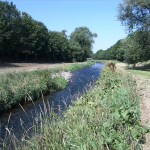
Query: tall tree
[[27, 40], [9, 33], [75, 51], [41, 38], [135, 14], [85, 38], [136, 47], [59, 46], [133, 50], [100, 54]]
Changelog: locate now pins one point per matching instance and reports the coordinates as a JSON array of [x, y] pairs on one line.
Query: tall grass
[[15, 88], [106, 118]]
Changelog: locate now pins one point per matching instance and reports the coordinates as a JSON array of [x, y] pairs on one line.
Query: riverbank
[[107, 117], [20, 87], [142, 77]]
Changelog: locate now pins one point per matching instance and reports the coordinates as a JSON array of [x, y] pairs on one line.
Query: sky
[[100, 16]]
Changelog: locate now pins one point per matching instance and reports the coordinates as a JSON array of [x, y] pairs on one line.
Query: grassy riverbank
[[140, 73], [107, 117], [20, 87]]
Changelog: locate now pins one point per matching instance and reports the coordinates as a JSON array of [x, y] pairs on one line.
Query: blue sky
[[100, 16]]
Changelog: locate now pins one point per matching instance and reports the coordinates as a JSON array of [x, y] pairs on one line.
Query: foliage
[[115, 52], [101, 55], [121, 128], [85, 38], [135, 14], [132, 49], [9, 24], [105, 118], [75, 51], [137, 47], [34, 42], [59, 46]]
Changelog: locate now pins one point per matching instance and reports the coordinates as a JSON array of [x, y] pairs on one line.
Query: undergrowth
[[106, 118]]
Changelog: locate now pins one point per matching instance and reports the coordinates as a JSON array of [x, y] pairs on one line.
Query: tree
[[85, 38], [100, 54], [115, 52], [27, 40], [75, 51], [34, 38], [41, 40], [9, 22], [59, 46], [22, 37], [132, 49], [135, 14]]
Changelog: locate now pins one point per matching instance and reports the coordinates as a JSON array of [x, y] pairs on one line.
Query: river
[[19, 120]]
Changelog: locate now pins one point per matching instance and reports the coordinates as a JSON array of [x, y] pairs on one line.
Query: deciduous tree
[[85, 38]]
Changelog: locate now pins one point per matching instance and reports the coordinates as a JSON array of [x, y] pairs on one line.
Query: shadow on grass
[[8, 65]]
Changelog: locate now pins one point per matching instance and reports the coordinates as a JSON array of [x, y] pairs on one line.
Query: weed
[[112, 66]]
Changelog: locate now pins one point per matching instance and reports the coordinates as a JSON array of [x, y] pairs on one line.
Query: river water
[[19, 120]]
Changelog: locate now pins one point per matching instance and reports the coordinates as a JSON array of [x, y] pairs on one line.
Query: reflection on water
[[21, 119]]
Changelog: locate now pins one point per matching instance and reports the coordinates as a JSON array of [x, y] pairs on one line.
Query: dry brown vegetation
[[17, 67], [112, 66]]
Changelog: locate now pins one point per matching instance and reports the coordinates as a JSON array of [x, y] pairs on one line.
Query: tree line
[[23, 38], [135, 16]]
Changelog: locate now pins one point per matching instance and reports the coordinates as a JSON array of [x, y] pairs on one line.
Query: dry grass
[[19, 67]]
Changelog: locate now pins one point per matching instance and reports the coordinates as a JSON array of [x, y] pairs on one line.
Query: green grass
[[141, 69], [106, 61], [141, 73], [106, 118], [77, 66], [16, 88]]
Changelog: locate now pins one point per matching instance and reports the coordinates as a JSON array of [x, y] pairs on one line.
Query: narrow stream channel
[[21, 120]]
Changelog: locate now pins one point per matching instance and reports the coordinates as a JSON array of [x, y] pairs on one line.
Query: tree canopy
[[135, 14], [85, 38], [115, 52], [23, 38]]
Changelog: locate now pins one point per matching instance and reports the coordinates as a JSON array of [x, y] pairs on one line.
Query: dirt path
[[143, 90], [9, 67]]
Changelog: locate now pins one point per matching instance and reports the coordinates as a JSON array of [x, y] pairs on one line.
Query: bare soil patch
[[143, 90], [17, 67]]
